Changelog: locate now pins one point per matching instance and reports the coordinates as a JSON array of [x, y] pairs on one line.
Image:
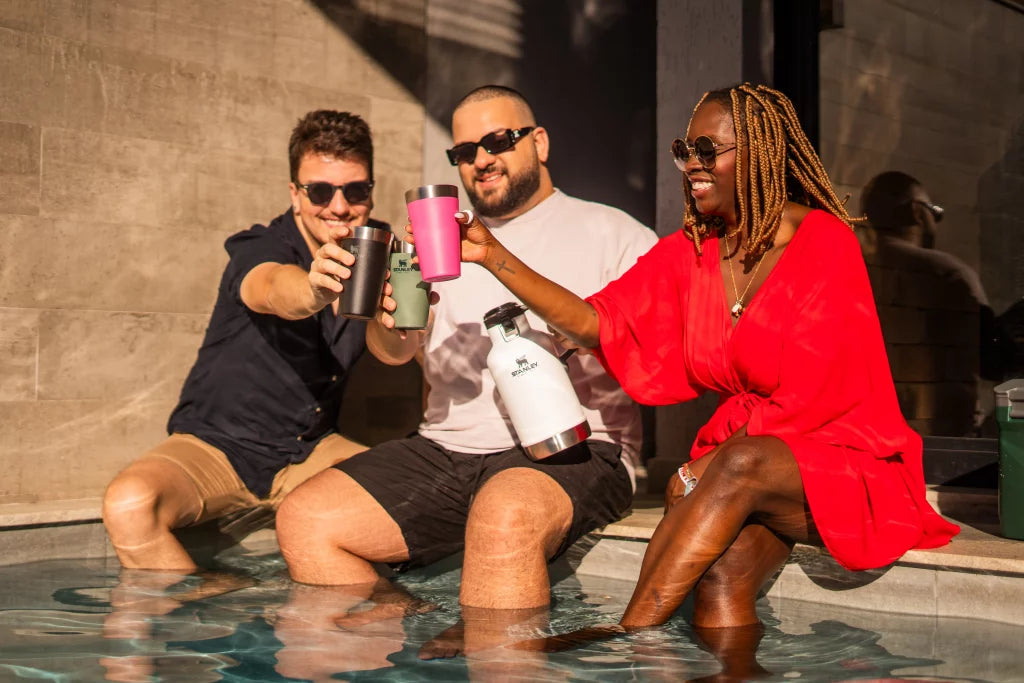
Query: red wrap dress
[[805, 363]]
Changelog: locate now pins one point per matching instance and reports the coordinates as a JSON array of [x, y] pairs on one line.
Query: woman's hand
[[477, 240], [564, 343]]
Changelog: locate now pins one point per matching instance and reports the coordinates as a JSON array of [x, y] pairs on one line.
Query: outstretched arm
[[289, 292], [560, 308]]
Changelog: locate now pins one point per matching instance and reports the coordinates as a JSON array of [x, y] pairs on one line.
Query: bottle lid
[[427, 191], [503, 314]]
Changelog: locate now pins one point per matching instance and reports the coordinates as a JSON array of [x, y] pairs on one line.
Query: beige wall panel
[[19, 168], [56, 450], [398, 140], [21, 64], [117, 179], [236, 190], [389, 195], [127, 23], [22, 15], [67, 18], [19, 342], [101, 355], [69, 264]]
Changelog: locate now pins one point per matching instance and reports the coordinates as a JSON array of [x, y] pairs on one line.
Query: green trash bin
[[1010, 415]]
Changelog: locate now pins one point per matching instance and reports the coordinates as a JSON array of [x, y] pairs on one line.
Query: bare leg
[[331, 531], [314, 648], [736, 649], [517, 522], [750, 479], [141, 506], [727, 593]]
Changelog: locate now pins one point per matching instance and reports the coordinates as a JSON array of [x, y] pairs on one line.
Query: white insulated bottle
[[533, 383]]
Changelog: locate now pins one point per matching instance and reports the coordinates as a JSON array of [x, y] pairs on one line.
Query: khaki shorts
[[221, 489]]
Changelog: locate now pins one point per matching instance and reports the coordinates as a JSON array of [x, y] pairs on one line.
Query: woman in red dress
[[762, 298]]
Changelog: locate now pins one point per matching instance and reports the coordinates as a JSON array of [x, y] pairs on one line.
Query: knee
[[509, 514], [740, 464], [130, 500], [293, 523]]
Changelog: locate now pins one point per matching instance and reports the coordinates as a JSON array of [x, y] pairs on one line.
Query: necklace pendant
[[737, 308]]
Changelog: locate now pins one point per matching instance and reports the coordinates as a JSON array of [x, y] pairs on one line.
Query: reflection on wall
[[587, 67], [1001, 209]]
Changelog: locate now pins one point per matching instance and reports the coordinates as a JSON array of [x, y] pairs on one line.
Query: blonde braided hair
[[783, 165]]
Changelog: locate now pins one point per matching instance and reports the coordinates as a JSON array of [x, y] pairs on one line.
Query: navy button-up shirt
[[264, 389]]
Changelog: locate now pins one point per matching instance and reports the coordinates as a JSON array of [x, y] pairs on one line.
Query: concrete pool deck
[[979, 575]]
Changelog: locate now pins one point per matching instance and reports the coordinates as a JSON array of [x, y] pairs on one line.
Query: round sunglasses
[[321, 193], [493, 143], [704, 148]]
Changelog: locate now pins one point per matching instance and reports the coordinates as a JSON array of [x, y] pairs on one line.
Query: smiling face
[[509, 183], [713, 190], [315, 221]]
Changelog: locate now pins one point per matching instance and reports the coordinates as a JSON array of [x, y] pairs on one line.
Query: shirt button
[[334, 378], [298, 438], [318, 409]]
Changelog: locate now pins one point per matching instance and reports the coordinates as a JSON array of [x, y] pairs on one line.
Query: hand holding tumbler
[[361, 294], [432, 214]]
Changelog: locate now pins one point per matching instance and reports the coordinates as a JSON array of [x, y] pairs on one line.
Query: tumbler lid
[[368, 232], [400, 246], [503, 314], [1010, 393], [427, 191]]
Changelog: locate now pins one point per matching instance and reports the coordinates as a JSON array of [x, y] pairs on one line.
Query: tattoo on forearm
[[502, 266]]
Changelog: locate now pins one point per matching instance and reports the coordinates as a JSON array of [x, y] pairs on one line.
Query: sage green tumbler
[[1010, 416], [409, 290]]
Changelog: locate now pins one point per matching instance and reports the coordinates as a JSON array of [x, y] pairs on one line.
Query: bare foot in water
[[389, 601], [483, 629], [570, 641], [446, 644]]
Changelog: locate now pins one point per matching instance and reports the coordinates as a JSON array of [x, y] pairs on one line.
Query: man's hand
[[331, 266], [386, 308]]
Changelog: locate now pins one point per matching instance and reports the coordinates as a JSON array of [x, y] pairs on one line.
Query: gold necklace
[[738, 306]]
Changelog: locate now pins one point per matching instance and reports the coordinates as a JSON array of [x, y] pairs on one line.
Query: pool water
[[57, 623]]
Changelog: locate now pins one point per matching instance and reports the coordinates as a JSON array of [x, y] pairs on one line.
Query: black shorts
[[428, 489]]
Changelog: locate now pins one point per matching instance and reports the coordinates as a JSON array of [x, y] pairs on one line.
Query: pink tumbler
[[438, 240]]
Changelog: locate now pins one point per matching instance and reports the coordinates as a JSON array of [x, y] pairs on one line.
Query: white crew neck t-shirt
[[578, 244]]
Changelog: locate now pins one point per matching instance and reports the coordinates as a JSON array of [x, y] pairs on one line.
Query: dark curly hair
[[338, 134]]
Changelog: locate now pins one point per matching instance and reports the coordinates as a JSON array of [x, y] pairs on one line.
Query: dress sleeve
[[641, 318], [831, 353]]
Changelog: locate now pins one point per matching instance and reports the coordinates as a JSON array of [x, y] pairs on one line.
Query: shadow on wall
[[587, 67]]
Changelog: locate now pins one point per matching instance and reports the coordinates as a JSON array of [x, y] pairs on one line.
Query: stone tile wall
[[135, 136], [934, 89]]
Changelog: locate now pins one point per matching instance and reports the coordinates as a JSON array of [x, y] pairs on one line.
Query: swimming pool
[[57, 624]]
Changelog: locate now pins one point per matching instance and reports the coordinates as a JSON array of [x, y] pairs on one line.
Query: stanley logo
[[523, 365]]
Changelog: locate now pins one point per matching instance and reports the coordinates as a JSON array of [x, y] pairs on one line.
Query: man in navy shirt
[[258, 410]]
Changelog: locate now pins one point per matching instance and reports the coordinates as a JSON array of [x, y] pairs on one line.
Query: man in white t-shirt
[[463, 482]]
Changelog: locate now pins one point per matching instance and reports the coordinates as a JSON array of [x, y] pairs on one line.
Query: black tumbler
[[362, 292]]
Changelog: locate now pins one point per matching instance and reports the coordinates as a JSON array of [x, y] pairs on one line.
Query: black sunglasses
[[321, 193], [936, 210], [706, 150], [493, 143]]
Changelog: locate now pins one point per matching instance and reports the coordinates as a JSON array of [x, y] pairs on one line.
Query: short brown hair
[[338, 134]]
